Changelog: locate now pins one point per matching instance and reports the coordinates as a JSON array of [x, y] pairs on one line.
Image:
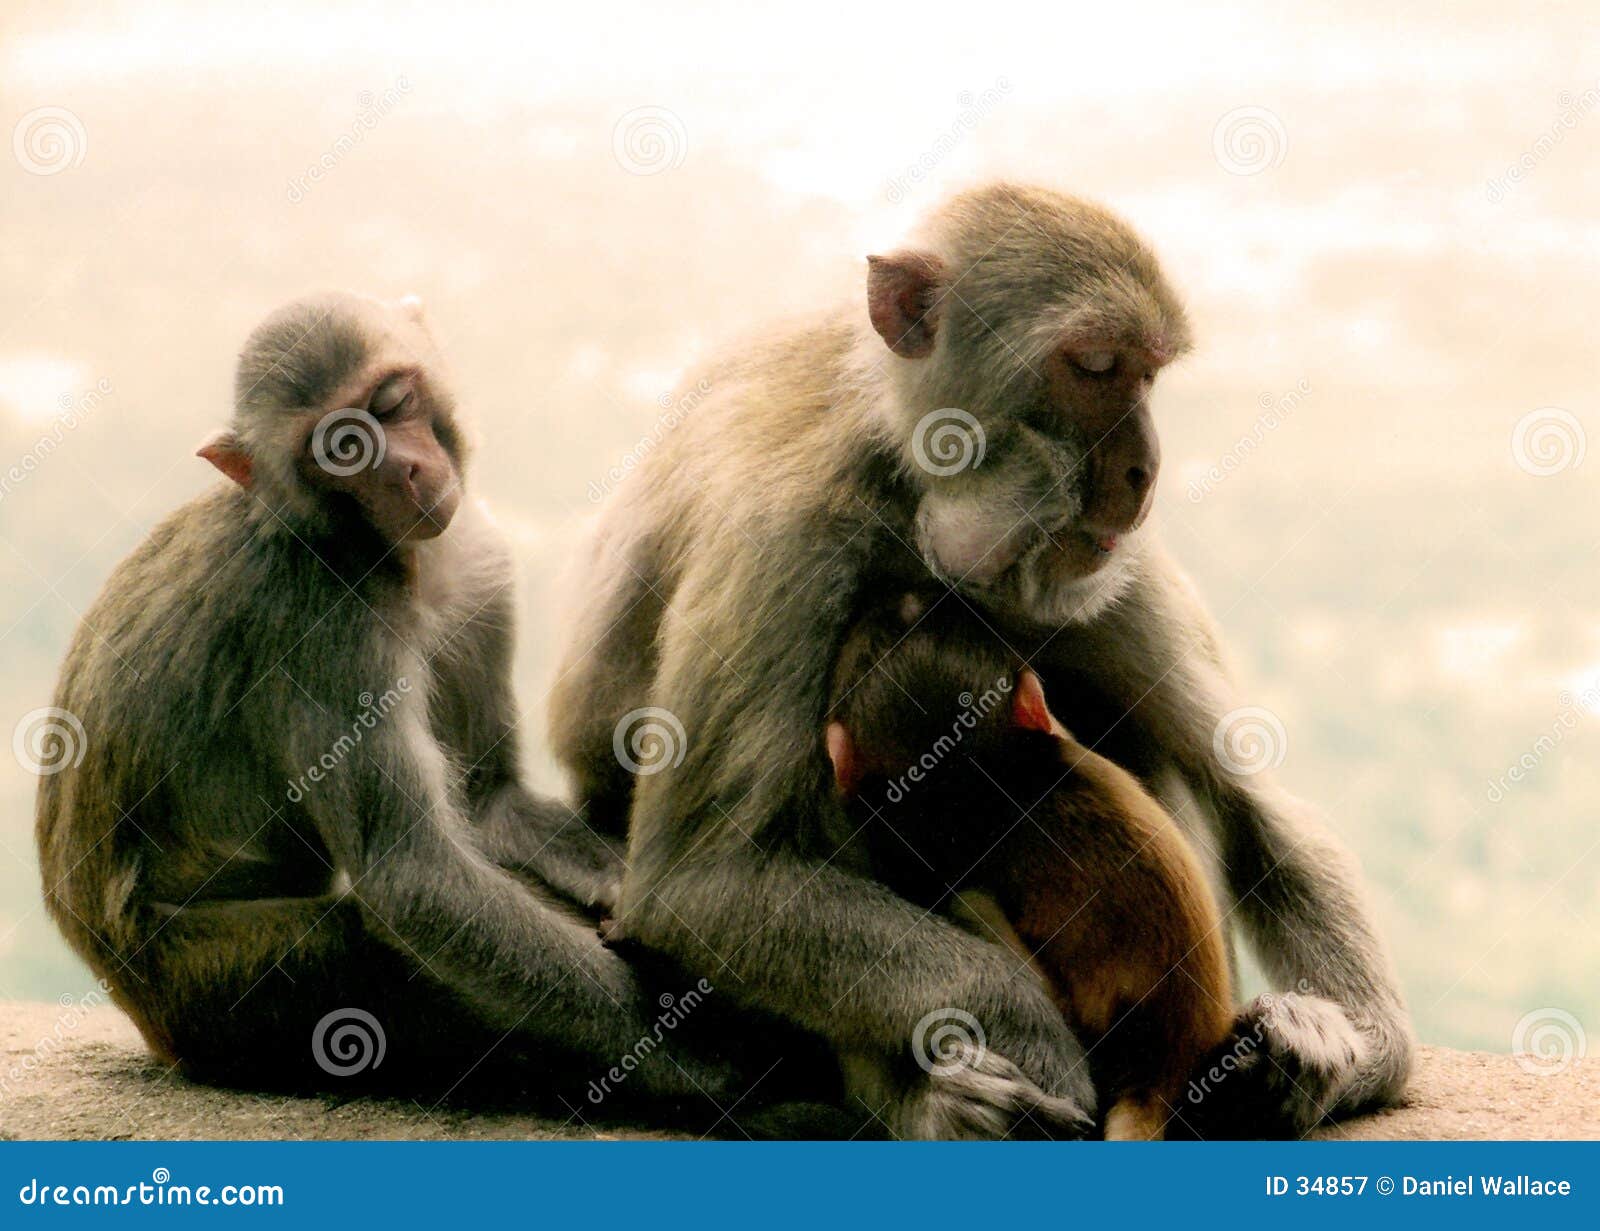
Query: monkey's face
[[388, 451], [340, 414], [1035, 327], [1047, 523]]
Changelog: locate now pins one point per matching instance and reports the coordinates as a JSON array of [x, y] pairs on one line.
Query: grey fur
[[230, 893], [722, 580]]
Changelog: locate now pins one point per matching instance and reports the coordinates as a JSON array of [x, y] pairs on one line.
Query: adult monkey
[[299, 812], [1027, 327]]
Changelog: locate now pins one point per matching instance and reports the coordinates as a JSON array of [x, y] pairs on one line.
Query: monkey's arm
[[530, 835], [1339, 1038], [526, 834], [969, 1040], [424, 887], [730, 874]]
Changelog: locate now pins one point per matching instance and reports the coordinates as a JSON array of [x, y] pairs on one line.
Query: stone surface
[[85, 1075]]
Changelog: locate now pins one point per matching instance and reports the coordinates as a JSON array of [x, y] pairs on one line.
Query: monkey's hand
[[1296, 1060], [545, 841], [975, 1094]]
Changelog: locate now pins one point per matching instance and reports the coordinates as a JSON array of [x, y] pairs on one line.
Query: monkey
[[300, 800], [976, 800], [985, 420]]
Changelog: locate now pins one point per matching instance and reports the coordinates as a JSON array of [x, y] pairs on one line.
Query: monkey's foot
[[978, 1095], [1291, 1062]]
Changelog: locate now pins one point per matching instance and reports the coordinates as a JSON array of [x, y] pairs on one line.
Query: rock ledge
[[94, 1081]]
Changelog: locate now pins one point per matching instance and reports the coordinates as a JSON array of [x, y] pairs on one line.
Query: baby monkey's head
[[924, 692]]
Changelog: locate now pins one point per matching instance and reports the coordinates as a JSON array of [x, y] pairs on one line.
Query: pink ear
[[904, 295], [223, 450], [842, 752], [1028, 708]]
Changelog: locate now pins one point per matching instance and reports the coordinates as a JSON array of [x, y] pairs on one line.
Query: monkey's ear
[[224, 450], [842, 752], [905, 293], [1029, 710]]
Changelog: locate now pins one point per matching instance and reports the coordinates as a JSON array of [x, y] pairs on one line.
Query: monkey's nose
[[1139, 480]]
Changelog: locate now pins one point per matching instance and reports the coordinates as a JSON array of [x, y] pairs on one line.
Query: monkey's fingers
[[1283, 1068]]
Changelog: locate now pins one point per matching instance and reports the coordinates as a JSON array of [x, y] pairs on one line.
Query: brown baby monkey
[[971, 797]]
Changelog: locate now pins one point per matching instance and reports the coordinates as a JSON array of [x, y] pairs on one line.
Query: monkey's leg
[[879, 978], [234, 992], [1338, 1037]]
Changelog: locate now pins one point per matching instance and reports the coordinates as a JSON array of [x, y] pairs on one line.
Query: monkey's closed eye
[[1094, 362], [391, 396]]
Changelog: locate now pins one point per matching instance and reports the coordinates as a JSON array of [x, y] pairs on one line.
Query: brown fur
[[720, 587], [1088, 876]]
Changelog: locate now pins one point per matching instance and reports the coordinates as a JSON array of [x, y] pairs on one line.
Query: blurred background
[[1385, 224]]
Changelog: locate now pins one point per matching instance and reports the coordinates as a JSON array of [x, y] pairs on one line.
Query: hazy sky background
[[589, 199]]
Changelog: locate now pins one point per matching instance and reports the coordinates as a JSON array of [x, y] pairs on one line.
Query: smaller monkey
[[972, 797], [303, 800]]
